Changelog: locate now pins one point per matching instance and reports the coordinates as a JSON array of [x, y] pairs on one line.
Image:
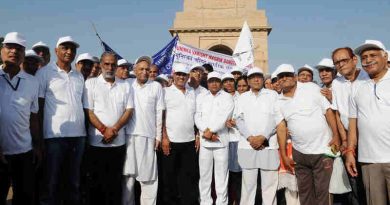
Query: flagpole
[[97, 34]]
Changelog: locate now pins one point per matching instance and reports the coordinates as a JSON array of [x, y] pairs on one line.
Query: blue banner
[[108, 48], [164, 58]]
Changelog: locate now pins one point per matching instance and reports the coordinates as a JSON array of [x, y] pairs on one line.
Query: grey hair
[[108, 53]]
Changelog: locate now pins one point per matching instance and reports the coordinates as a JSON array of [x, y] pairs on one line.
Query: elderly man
[[20, 143], [143, 132], [154, 71], [196, 73], [109, 105], [42, 50], [179, 145], [257, 148], [305, 74], [302, 104], [122, 72], [369, 124], [213, 109], [84, 64], [275, 83], [345, 62], [61, 92], [326, 73], [31, 62]]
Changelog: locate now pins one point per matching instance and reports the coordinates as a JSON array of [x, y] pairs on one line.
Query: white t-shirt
[[63, 110], [255, 115], [212, 112], [17, 106], [108, 102], [200, 89], [148, 107], [305, 117], [341, 91], [180, 111], [370, 105]]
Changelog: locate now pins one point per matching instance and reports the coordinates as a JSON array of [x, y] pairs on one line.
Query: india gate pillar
[[216, 25]]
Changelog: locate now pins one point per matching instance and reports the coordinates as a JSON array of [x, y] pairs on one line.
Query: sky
[[303, 31]]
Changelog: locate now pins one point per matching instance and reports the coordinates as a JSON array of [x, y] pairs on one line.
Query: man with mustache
[[60, 98], [108, 102], [369, 124], [305, 74], [143, 132], [196, 74], [31, 62], [20, 141], [84, 64], [42, 50], [327, 73]]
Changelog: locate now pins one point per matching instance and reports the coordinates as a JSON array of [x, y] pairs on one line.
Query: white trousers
[[148, 191], [219, 158], [292, 197], [269, 186]]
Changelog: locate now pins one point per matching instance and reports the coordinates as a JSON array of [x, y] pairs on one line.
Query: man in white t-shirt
[[213, 109], [20, 143], [60, 98], [108, 103], [196, 73], [257, 147], [143, 133], [345, 62], [313, 129], [369, 124], [179, 160]]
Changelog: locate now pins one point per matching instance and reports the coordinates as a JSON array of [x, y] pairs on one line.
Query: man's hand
[[156, 144], [207, 134], [214, 138], [110, 134], [166, 145], [335, 142], [343, 146], [37, 157], [197, 143], [230, 123], [257, 142], [350, 163], [326, 92], [288, 163]]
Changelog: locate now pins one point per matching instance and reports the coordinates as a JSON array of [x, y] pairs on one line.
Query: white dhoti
[[218, 157], [140, 165], [269, 185]]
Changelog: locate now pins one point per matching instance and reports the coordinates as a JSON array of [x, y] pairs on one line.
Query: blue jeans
[[63, 159]]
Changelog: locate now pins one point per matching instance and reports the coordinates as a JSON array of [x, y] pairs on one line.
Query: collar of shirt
[[218, 93], [283, 97], [138, 86], [21, 74], [362, 74], [187, 89], [385, 77], [102, 80], [58, 69]]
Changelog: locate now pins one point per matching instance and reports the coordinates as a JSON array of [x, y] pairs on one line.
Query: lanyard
[[10, 84]]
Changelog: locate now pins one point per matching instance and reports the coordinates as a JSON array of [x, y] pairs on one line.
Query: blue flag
[[108, 48], [164, 58]]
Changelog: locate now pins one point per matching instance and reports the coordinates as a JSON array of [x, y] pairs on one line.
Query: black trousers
[[105, 170], [20, 171], [180, 175]]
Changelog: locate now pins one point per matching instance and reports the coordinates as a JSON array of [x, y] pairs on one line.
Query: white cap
[[369, 44], [325, 63], [227, 76], [388, 56], [255, 70], [144, 58], [32, 54], [96, 59], [67, 39], [236, 69], [123, 62], [285, 68], [180, 68], [274, 74], [213, 74], [16, 38], [40, 44], [163, 77], [306, 67], [85, 56], [198, 66]]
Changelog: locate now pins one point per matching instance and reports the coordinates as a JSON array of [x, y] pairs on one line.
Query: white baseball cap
[[227, 76], [197, 66], [236, 69], [123, 62], [388, 56], [369, 44], [32, 54], [306, 67], [96, 59], [66, 39], [274, 74], [163, 77], [16, 38], [325, 63], [85, 56], [255, 70], [284, 68], [148, 59], [180, 68], [214, 74], [40, 44]]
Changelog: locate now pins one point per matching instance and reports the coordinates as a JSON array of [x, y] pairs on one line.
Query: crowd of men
[[86, 132]]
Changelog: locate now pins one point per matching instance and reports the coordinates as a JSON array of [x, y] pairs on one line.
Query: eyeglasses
[[342, 62]]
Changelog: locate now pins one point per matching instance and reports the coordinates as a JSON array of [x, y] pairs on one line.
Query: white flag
[[243, 53]]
